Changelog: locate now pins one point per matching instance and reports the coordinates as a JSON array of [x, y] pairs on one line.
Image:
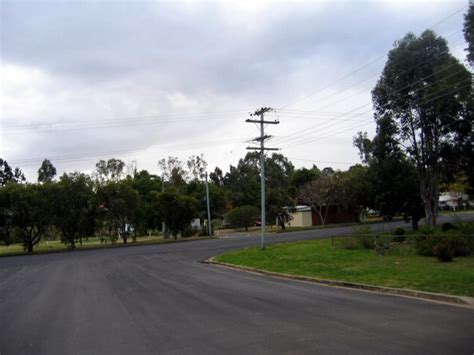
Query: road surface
[[159, 299]]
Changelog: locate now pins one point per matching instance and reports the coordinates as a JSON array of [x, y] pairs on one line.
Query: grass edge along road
[[55, 246], [397, 268]]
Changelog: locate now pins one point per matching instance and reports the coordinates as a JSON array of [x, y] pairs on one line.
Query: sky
[[140, 81]]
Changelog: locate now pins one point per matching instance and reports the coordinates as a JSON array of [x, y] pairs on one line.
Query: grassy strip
[[399, 268], [55, 246]]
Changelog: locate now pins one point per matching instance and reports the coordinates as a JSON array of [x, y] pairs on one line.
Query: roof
[[299, 208]]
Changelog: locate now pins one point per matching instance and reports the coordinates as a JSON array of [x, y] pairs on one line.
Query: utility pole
[[261, 113], [163, 224], [209, 227]]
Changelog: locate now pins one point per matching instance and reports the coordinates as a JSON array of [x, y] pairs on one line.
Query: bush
[[428, 230], [443, 250], [188, 231], [459, 246], [244, 216], [400, 235], [364, 234], [447, 226], [466, 230], [399, 231], [424, 244]]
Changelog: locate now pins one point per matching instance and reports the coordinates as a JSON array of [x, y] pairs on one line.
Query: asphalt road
[[160, 299]]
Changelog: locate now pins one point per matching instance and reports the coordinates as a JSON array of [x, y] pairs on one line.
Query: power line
[[85, 156], [306, 141], [72, 126], [312, 128], [369, 63]]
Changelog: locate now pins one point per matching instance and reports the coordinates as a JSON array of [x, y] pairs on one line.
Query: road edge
[[464, 301]]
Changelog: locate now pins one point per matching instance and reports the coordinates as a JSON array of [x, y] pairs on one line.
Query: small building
[[305, 216], [300, 216]]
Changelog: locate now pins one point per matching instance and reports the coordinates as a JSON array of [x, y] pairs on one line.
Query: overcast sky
[[140, 81]]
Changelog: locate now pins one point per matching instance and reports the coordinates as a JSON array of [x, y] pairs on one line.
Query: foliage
[[27, 210], [319, 194], [46, 172], [7, 174], [179, 173], [469, 33], [74, 208], [428, 230], [189, 231], [426, 91], [242, 217], [175, 210], [458, 245], [443, 251], [120, 203], [111, 169], [364, 235], [447, 226], [399, 233], [278, 171], [301, 177], [243, 182]]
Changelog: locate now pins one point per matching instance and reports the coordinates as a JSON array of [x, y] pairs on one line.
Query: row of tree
[[423, 111]]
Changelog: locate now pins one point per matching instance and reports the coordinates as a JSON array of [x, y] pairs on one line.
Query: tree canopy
[[426, 91], [46, 172]]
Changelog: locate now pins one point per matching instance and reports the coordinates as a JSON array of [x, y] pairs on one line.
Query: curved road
[[160, 299]]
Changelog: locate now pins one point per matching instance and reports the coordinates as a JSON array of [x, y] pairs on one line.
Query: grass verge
[[399, 268]]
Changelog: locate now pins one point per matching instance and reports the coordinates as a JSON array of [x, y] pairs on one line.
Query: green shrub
[[424, 244], [400, 235], [428, 230], [399, 231], [364, 235], [459, 245], [466, 230], [188, 231], [446, 226], [443, 250]]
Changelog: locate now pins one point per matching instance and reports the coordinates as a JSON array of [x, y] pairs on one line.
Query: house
[[305, 216]]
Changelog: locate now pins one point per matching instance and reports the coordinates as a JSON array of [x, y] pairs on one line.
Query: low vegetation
[[356, 258]]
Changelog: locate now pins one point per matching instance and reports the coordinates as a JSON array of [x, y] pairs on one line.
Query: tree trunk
[[281, 221], [320, 214], [29, 247], [429, 195]]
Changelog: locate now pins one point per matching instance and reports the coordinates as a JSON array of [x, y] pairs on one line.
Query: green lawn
[[400, 267], [92, 243]]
